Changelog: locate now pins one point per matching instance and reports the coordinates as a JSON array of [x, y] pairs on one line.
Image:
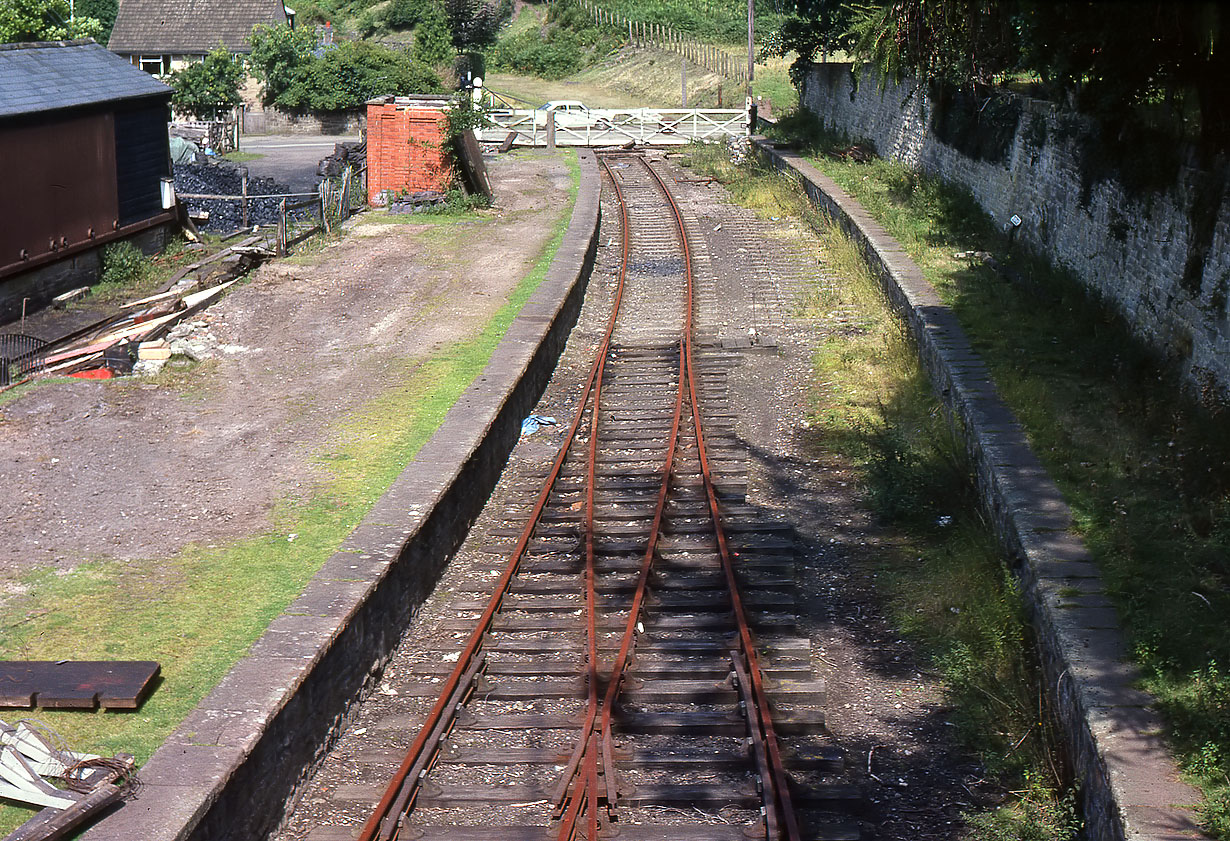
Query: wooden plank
[[64, 684], [53, 824]]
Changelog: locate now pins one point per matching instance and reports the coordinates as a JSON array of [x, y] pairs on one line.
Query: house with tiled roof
[[163, 35], [83, 136]]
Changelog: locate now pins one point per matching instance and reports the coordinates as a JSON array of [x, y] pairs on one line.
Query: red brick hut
[[406, 146]]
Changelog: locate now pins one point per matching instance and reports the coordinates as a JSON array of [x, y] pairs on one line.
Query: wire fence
[[300, 215]]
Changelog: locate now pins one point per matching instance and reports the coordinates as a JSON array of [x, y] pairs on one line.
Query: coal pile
[[223, 179], [344, 154]]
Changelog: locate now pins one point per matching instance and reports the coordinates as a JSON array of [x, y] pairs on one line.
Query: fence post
[[324, 206], [282, 228], [343, 200], [550, 129], [243, 191]]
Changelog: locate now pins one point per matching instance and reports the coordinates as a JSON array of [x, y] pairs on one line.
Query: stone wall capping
[[232, 766], [1130, 786]]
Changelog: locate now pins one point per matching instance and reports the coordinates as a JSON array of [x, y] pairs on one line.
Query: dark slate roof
[[190, 27], [64, 74]]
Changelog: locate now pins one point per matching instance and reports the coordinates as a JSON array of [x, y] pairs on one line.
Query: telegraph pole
[[751, 63]]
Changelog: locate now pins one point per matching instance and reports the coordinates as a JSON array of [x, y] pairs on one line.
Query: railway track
[[635, 670]]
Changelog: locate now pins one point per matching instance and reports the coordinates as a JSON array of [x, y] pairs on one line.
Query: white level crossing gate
[[614, 127]]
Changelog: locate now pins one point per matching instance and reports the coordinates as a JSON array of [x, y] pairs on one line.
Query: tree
[[103, 11], [433, 43], [42, 20], [355, 72], [278, 54], [1115, 57], [474, 23], [813, 28], [205, 88], [959, 42]]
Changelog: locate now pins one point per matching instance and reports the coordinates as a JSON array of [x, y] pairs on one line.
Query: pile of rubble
[[224, 179]]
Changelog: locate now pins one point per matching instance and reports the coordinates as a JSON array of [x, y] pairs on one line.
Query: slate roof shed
[[190, 27], [58, 75], [83, 135]]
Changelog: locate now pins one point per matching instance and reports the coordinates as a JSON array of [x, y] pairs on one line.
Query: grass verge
[[1143, 461], [200, 610], [240, 156], [947, 584]]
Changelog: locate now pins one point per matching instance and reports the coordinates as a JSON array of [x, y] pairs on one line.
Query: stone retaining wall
[[1169, 277], [277, 121], [231, 767], [1129, 782]]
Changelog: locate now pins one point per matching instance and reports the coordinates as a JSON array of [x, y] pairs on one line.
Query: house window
[[158, 65]]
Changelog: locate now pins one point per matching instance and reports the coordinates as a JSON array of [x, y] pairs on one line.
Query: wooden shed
[[83, 135]]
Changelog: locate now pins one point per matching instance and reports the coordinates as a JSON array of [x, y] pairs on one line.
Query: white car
[[568, 112]]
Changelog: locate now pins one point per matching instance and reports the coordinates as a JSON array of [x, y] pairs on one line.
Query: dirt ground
[[137, 468]]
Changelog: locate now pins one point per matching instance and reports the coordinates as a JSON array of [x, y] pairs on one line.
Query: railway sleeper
[[845, 831], [633, 691]]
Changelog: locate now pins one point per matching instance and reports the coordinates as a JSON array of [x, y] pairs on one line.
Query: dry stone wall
[[1140, 249]]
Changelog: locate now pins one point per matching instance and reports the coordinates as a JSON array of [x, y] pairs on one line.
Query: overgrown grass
[[949, 588], [127, 274], [198, 611], [1144, 462]]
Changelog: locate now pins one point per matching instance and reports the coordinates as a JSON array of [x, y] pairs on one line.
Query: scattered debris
[[157, 349], [30, 756], [415, 202], [534, 422], [115, 343], [857, 153], [61, 301], [740, 150], [473, 170]]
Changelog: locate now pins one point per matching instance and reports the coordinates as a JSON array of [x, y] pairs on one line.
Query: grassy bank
[[1144, 463], [200, 610], [648, 78], [949, 589]]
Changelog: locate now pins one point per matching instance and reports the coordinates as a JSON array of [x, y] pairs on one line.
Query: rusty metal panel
[[60, 185], [84, 684]]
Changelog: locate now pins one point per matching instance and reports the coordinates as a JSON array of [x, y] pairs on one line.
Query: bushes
[[123, 264], [347, 75], [407, 14], [552, 57], [567, 43]]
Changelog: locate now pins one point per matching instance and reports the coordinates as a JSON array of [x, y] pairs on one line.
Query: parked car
[[568, 112]]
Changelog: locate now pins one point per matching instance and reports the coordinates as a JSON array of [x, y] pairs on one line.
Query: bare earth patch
[[139, 469]]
